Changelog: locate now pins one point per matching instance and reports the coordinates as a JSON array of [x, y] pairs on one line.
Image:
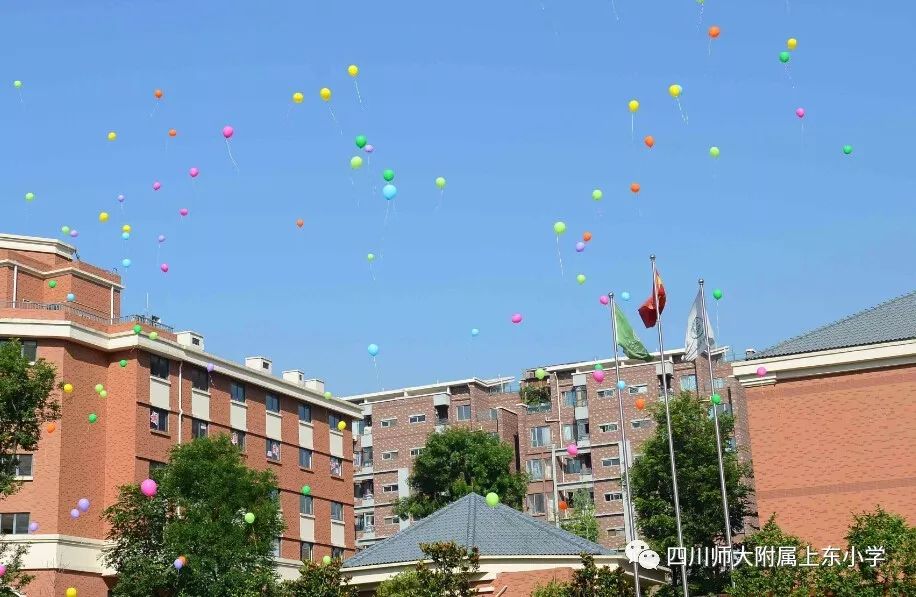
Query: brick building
[[580, 410], [159, 393], [831, 416]]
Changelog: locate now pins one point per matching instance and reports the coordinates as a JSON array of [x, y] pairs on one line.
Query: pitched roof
[[471, 522], [888, 322]]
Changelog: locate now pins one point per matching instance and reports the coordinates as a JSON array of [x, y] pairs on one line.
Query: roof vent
[[316, 385], [190, 339], [294, 375], [262, 364]]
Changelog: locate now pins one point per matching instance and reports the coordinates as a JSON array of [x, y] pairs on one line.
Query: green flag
[[627, 339]]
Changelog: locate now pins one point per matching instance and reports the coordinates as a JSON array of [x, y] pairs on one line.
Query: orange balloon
[[586, 236], [300, 223], [640, 403], [173, 133], [714, 31], [634, 187], [649, 141], [158, 94], [563, 505], [50, 427]]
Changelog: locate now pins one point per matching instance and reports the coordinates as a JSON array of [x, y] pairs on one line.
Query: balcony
[[367, 501], [582, 411]]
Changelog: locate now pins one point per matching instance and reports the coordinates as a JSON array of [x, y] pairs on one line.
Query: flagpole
[[677, 501], [624, 457], [715, 414]]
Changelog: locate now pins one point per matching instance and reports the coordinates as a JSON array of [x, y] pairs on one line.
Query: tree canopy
[[319, 580], [449, 572], [583, 521]]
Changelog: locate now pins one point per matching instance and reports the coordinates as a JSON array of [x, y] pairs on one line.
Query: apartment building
[[578, 410], [161, 387]]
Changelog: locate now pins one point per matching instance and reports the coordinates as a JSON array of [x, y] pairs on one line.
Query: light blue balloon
[[389, 191], [71, 297], [125, 262], [373, 350], [475, 332], [625, 295], [125, 235], [622, 384]]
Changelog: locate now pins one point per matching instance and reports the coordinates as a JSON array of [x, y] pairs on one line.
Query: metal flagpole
[[677, 501], [624, 457], [715, 414]]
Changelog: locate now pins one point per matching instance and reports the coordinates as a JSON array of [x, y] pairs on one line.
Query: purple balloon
[[178, 563], [33, 526], [121, 198], [83, 505], [580, 246], [161, 238], [369, 148], [74, 233], [74, 513], [211, 367]]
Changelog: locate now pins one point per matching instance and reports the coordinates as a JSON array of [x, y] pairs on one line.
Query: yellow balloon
[[325, 93], [674, 91], [103, 217], [353, 70], [298, 97], [125, 228], [341, 425], [633, 105], [71, 592], [792, 43], [112, 136], [68, 388]]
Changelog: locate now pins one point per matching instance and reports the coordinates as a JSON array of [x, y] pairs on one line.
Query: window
[[640, 389], [581, 465], [390, 520], [569, 433], [158, 419], [198, 428], [569, 398], [366, 458], [200, 379], [613, 461], [537, 504], [273, 450], [390, 455], [416, 451], [640, 423], [607, 427], [237, 438], [158, 366], [536, 470], [336, 466], [305, 413], [306, 505], [494, 414], [441, 414], [16, 523], [607, 393], [275, 548], [365, 522], [613, 496], [337, 511], [29, 349], [417, 419], [154, 466], [305, 458], [390, 488], [337, 552], [389, 422], [689, 383], [721, 409], [237, 391], [274, 494], [333, 420], [718, 383], [540, 436], [463, 412], [272, 403], [305, 551], [19, 465], [616, 532]]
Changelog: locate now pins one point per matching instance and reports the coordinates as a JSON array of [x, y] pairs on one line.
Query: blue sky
[[522, 106]]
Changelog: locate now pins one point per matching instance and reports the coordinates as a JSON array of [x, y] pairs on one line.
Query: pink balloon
[[761, 371], [183, 211], [603, 299], [572, 449], [164, 267], [517, 318], [157, 185], [598, 374], [369, 148], [3, 567], [228, 131], [148, 487], [193, 172], [800, 112], [580, 246]]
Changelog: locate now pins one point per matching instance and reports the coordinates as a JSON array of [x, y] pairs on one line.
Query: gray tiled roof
[[888, 322], [470, 522]]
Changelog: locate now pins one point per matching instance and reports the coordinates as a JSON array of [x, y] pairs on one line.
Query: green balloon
[[784, 57], [249, 517], [306, 490], [714, 151], [440, 182], [492, 500], [137, 329], [29, 196], [17, 84], [361, 141], [717, 294], [580, 278], [154, 335], [52, 284], [326, 560], [99, 387], [328, 395], [371, 256], [599, 367], [93, 417], [597, 194], [716, 399], [540, 373], [65, 229], [847, 149], [559, 227], [103, 394], [123, 362], [356, 162], [388, 174]]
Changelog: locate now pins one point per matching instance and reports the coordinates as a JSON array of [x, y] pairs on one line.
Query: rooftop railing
[[73, 311]]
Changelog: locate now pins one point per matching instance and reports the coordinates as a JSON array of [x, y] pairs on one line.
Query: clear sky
[[522, 106]]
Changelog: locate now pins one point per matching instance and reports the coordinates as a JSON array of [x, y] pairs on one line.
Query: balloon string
[[229, 149], [680, 108], [700, 22], [358, 96], [155, 107], [334, 118], [560, 257], [21, 101], [632, 126], [614, 8], [371, 272], [378, 380], [441, 196], [717, 322], [709, 51]]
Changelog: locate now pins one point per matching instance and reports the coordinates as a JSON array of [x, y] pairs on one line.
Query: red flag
[[647, 311]]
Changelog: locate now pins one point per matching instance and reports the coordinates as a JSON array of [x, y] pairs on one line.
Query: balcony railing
[[71, 310]]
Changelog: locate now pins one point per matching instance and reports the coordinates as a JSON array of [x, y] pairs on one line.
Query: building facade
[[579, 410], [158, 391]]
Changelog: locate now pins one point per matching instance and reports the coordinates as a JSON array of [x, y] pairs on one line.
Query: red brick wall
[[522, 584]]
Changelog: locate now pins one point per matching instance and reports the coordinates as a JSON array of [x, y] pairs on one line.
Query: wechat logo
[[638, 551]]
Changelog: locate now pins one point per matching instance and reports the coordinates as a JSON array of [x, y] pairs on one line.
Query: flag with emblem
[[626, 338], [697, 341]]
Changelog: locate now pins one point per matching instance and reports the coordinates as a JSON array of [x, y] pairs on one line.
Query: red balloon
[[649, 141], [714, 31], [640, 403], [300, 223], [158, 94], [634, 187], [586, 236], [563, 505]]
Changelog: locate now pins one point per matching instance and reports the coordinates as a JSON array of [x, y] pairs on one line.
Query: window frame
[[420, 418], [156, 362], [31, 353], [268, 443], [337, 553], [303, 545], [339, 462], [640, 388], [607, 497], [615, 424], [535, 433], [240, 438], [609, 465], [310, 457], [642, 423], [458, 410], [394, 457], [532, 500], [337, 506], [688, 377], [163, 416], [541, 465], [414, 452], [15, 519], [306, 505], [333, 420], [198, 425], [236, 389], [386, 485], [14, 462], [305, 408], [200, 379], [271, 399], [391, 422]]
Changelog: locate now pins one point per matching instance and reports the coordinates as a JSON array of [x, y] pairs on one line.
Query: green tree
[[405, 584], [25, 404], [583, 521], [700, 496], [895, 573], [589, 581], [14, 579], [198, 512], [457, 462], [450, 571], [319, 580], [773, 581], [554, 588]]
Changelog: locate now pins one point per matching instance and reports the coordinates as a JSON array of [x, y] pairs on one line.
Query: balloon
[[572, 449], [154, 335], [580, 246], [137, 329], [83, 504], [847, 149], [580, 278], [164, 267], [68, 388], [633, 105], [621, 385], [161, 238], [71, 297], [370, 257], [298, 97], [65, 229], [370, 148], [183, 211], [50, 428], [126, 228], [634, 187], [178, 563], [33, 526], [714, 31], [103, 394], [475, 332], [761, 371], [517, 318], [148, 487], [389, 191], [800, 112], [716, 399], [598, 375], [440, 182], [714, 151], [93, 417], [599, 367], [210, 367], [326, 560], [74, 233], [675, 90], [388, 175], [228, 131], [71, 592], [328, 395], [717, 294], [597, 194], [373, 350], [325, 94], [586, 236], [603, 299], [125, 235], [361, 141], [125, 262], [356, 162], [792, 43], [649, 141], [122, 363], [99, 387], [300, 223], [492, 499], [103, 217], [640, 403], [341, 425], [29, 196], [157, 185], [352, 70], [158, 94], [52, 284], [17, 84], [540, 373], [112, 135], [2, 569], [784, 57], [173, 133], [193, 172], [249, 517], [563, 505], [559, 227], [120, 198]]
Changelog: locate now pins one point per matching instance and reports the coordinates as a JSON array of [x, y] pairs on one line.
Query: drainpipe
[[15, 283], [111, 305], [180, 410]]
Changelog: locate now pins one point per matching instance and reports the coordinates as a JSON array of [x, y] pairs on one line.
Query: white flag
[[696, 342]]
